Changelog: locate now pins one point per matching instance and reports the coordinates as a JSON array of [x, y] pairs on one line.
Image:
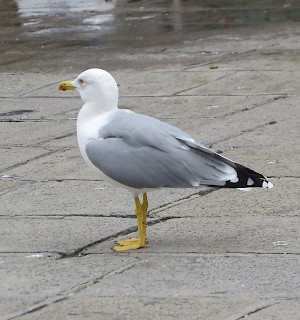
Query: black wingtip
[[247, 178]]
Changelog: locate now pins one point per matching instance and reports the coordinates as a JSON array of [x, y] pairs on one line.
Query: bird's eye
[[81, 81]]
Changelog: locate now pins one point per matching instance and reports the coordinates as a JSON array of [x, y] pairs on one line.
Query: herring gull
[[141, 153]]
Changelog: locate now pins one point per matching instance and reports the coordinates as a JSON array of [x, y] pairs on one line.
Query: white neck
[[92, 110], [89, 121]]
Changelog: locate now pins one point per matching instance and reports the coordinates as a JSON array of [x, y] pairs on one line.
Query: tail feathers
[[247, 178]]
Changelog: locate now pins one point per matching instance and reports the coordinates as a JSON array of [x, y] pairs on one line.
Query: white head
[[95, 86]]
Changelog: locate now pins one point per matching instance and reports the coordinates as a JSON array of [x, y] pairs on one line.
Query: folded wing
[[142, 152]]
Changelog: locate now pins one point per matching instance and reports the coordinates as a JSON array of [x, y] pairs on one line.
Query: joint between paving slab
[[283, 177], [35, 254], [15, 178], [34, 120], [203, 84], [243, 132], [222, 59], [265, 254], [257, 105], [32, 159], [66, 135], [37, 89], [236, 95], [70, 292], [6, 63], [192, 196], [41, 142], [198, 254]]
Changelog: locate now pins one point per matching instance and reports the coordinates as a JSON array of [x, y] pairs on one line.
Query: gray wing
[[142, 152]]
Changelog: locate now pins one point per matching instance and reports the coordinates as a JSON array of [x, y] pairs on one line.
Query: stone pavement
[[212, 254]]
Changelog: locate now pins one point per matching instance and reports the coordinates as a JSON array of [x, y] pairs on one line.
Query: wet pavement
[[42, 35], [226, 73]]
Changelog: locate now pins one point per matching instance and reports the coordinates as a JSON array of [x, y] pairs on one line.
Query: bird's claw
[[127, 242], [130, 244]]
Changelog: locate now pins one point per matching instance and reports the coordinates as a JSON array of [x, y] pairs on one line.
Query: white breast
[[88, 126]]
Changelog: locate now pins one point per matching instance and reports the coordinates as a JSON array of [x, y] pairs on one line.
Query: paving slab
[[282, 201], [51, 90], [193, 286], [11, 156], [262, 126], [21, 109], [19, 83], [57, 234], [199, 108], [29, 279], [257, 60], [128, 308], [168, 58], [194, 276], [282, 133], [288, 309], [83, 198], [251, 83], [268, 59], [67, 142], [151, 83], [7, 184], [162, 83], [247, 41], [31, 133], [271, 160], [58, 165], [242, 234]]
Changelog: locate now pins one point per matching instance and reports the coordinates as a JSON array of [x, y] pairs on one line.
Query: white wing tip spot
[[234, 180], [267, 185], [250, 182]]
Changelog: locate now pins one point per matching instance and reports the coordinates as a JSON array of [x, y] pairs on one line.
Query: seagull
[[141, 153]]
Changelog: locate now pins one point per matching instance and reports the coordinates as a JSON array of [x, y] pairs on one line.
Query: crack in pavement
[[80, 251], [255, 311], [21, 163], [202, 84]]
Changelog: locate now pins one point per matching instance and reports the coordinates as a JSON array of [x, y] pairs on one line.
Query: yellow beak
[[66, 85]]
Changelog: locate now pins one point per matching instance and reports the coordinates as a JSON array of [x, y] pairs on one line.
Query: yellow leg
[[141, 214], [145, 209]]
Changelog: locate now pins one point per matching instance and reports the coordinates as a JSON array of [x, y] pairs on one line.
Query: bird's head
[[94, 86]]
